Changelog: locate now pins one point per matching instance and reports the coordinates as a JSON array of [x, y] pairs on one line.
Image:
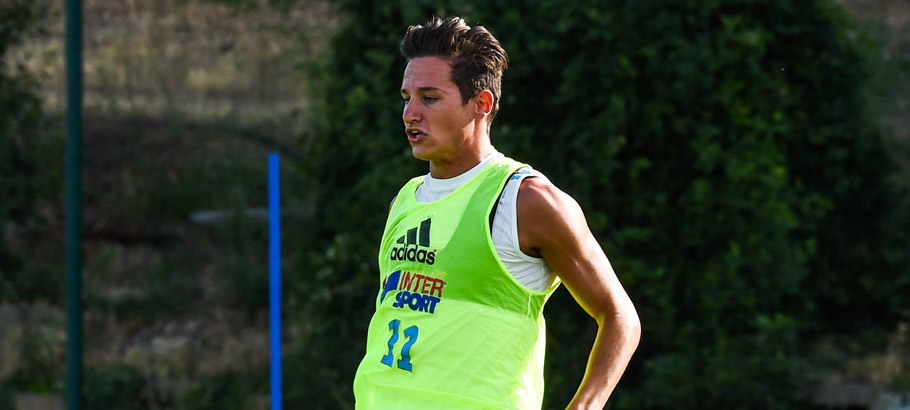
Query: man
[[472, 251]]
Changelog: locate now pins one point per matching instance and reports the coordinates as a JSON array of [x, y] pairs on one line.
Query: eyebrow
[[424, 89]]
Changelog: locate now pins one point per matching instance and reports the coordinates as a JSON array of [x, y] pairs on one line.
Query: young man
[[472, 251]]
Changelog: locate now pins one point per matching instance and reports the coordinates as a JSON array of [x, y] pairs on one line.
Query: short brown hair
[[475, 56]]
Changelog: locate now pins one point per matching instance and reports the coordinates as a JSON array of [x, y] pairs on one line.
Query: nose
[[410, 113]]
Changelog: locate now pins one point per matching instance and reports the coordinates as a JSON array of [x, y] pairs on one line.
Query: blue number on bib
[[411, 334], [405, 362], [387, 359]]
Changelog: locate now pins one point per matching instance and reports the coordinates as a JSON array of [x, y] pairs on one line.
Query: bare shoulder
[[540, 195], [552, 224], [547, 215]]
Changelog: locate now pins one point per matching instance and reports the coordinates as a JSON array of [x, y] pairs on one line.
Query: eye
[[430, 99]]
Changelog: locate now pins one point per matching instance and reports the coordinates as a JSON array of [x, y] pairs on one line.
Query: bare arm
[[552, 225]]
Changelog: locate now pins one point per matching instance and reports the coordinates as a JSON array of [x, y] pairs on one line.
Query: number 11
[[411, 334]]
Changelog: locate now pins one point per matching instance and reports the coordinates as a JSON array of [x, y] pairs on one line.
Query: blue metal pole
[[275, 278]]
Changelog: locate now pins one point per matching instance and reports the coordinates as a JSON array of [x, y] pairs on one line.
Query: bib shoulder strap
[[514, 167]]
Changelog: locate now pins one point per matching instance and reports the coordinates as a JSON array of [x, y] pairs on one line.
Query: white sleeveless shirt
[[530, 271]]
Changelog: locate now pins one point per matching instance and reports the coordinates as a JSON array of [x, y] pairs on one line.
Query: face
[[438, 126]]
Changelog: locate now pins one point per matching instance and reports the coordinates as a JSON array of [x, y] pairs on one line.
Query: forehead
[[427, 72]]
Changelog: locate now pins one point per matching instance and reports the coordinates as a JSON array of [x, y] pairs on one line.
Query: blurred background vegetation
[[745, 165]]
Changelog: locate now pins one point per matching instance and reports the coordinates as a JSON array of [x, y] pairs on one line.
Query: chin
[[421, 153]]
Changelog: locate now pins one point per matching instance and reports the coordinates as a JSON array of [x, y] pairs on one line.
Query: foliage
[[122, 387], [227, 391], [21, 117], [722, 151], [725, 154], [6, 396], [40, 350], [116, 387]]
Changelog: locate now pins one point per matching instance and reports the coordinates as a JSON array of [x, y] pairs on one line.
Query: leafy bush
[[723, 152], [20, 119], [116, 387], [122, 387], [224, 391]]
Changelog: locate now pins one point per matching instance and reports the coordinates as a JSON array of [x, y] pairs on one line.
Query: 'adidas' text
[[414, 255], [410, 244]]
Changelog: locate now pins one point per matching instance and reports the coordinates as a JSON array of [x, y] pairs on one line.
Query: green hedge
[[723, 153], [20, 118]]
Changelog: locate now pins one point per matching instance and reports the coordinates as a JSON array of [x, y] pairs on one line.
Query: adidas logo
[[418, 237]]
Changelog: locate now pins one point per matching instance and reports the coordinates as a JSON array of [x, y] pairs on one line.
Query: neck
[[468, 158]]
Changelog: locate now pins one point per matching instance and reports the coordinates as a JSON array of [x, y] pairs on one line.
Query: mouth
[[414, 134]]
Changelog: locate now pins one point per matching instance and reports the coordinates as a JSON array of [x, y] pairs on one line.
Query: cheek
[[454, 122], [460, 118], [457, 125], [467, 120]]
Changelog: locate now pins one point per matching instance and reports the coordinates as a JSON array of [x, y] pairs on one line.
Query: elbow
[[632, 325], [625, 323], [622, 323]]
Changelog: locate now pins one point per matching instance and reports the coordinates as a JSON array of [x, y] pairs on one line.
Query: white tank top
[[530, 271]]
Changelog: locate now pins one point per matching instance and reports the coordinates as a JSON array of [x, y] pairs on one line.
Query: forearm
[[617, 338]]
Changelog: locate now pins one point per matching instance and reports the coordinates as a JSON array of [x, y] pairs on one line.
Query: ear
[[483, 102]]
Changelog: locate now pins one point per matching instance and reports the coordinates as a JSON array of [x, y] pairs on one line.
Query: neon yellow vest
[[453, 329]]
